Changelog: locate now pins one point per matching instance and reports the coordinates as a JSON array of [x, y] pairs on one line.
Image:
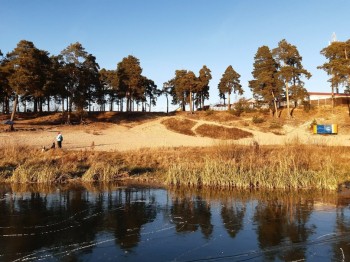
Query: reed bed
[[28, 165], [288, 167], [226, 165]]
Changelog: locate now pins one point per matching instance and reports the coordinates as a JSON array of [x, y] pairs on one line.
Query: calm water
[[114, 223]]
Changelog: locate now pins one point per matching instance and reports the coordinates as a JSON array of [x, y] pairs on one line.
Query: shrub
[[275, 125], [314, 122], [221, 132], [258, 119], [182, 126]]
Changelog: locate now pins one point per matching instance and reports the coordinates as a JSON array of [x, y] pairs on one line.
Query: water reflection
[[191, 213], [118, 222], [283, 221], [232, 214], [128, 210]]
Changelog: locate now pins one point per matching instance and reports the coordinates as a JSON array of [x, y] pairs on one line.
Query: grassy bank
[[292, 166]]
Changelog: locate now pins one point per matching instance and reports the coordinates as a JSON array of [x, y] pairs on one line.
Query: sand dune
[[151, 134]]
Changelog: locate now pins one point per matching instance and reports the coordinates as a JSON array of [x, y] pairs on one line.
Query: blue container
[[326, 129]]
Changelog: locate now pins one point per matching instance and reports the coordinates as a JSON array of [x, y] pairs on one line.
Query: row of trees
[[187, 88], [278, 75], [74, 80]]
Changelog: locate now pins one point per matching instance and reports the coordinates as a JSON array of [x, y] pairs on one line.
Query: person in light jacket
[[59, 139]]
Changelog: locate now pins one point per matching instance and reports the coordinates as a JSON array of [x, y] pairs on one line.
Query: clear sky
[[167, 35]]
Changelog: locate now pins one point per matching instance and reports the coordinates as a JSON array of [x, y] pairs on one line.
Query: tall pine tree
[[265, 86], [230, 83]]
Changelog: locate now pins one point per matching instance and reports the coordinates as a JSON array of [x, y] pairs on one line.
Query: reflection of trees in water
[[281, 221], [60, 223], [128, 211], [232, 216], [35, 222], [341, 245], [190, 213]]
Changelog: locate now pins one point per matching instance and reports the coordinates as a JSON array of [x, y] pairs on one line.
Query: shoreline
[[227, 166]]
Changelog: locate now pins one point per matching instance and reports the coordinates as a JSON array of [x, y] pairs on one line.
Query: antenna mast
[[334, 38]]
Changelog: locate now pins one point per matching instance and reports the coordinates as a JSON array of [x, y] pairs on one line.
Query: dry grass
[[182, 126], [220, 132], [27, 165], [215, 116], [284, 167], [293, 166]]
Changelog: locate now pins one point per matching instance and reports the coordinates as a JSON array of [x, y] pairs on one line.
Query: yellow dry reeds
[[35, 174], [226, 165], [102, 172], [299, 167]]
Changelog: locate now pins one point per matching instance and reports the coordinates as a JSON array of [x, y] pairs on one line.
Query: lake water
[[130, 223]]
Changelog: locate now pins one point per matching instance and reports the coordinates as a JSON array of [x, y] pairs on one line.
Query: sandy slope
[[153, 134]]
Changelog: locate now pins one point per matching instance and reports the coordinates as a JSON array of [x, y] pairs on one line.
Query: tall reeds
[[288, 167], [291, 166], [29, 165]]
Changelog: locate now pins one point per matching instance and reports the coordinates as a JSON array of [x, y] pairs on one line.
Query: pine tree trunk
[[229, 102], [167, 104], [191, 109], [150, 104], [69, 111], [202, 101], [48, 104], [40, 105], [111, 105], [17, 106], [4, 104], [287, 96], [62, 105], [13, 112], [274, 104]]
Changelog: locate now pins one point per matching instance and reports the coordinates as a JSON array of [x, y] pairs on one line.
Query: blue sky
[[167, 35]]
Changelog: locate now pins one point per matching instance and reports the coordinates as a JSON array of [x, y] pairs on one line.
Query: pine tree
[[338, 65], [27, 67], [82, 77], [265, 86], [130, 80], [290, 71], [230, 83], [203, 85], [6, 92]]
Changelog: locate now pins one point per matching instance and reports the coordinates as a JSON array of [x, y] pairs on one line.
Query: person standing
[[59, 139]]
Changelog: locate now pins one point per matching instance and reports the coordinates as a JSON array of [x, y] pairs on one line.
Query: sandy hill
[[127, 131]]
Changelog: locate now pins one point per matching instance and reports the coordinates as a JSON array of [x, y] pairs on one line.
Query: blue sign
[[324, 129]]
